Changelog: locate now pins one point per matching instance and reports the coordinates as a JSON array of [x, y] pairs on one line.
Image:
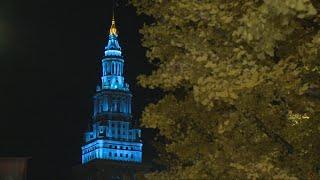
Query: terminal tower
[[112, 147]]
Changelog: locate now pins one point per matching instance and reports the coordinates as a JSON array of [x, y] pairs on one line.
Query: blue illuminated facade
[[111, 135]]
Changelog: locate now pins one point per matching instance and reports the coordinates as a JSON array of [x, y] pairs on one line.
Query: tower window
[[131, 156], [121, 155], [109, 153], [118, 107], [126, 155], [115, 106]]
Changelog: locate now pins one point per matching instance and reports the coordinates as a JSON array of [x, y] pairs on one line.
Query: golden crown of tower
[[113, 29]]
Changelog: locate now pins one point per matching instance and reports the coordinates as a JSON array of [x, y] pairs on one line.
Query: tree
[[242, 87]]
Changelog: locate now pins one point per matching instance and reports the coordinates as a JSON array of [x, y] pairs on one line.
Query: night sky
[[50, 54]]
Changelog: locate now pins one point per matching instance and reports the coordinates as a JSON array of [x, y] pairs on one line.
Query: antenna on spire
[[113, 9], [113, 29]]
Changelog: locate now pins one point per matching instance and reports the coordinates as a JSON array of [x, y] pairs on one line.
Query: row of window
[[113, 132], [110, 146], [102, 131], [115, 108], [121, 155], [93, 156], [119, 125], [124, 133], [105, 104], [116, 125], [120, 147], [113, 68]]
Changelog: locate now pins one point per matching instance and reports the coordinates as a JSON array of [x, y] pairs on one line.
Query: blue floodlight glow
[[111, 135], [112, 150]]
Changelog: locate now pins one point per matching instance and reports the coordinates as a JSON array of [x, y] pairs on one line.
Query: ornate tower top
[[113, 63], [113, 29]]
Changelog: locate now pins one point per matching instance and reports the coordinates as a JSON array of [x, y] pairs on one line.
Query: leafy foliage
[[242, 82]]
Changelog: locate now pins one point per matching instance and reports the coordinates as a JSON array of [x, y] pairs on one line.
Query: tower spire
[[113, 29]]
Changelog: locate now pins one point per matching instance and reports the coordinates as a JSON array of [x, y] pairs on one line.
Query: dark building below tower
[[13, 168], [105, 170]]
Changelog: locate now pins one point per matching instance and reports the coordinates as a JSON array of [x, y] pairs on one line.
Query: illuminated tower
[[112, 147], [111, 135]]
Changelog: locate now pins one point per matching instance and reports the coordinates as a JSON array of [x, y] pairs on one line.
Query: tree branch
[[275, 137]]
